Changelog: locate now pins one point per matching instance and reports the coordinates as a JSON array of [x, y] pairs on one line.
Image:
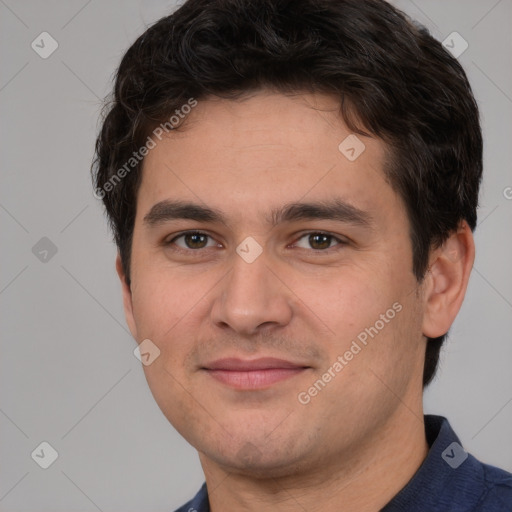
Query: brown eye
[[320, 240], [193, 240]]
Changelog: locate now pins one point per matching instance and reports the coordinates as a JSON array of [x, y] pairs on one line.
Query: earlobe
[[447, 281], [127, 298]]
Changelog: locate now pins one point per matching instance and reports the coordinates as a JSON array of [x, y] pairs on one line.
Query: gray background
[[68, 373]]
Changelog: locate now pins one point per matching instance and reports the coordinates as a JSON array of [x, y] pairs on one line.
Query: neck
[[364, 479]]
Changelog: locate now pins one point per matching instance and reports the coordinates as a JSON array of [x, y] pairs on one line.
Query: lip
[[252, 374], [247, 365]]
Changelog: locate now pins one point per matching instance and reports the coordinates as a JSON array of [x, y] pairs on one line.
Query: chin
[[261, 460], [256, 466]]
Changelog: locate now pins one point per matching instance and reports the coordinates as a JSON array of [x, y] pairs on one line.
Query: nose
[[251, 298]]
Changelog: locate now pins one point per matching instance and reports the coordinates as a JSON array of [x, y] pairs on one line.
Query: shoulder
[[497, 495]]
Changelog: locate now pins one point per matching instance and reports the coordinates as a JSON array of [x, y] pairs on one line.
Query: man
[[293, 188]]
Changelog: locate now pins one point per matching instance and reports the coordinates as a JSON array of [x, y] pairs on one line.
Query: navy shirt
[[449, 480]]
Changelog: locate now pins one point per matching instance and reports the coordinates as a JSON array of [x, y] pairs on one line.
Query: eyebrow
[[171, 210], [336, 209]]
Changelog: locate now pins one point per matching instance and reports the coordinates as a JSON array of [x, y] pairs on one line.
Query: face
[[274, 274]]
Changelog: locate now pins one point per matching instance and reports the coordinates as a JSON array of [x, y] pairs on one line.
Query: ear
[[127, 298], [447, 280]]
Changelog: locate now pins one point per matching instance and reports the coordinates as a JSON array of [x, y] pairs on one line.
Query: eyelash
[[340, 242]]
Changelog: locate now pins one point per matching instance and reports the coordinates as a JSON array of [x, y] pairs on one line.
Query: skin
[[361, 438]]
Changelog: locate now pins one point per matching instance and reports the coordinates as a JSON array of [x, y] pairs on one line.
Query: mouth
[[252, 374]]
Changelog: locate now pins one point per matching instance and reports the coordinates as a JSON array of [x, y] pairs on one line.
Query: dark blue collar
[[451, 480]]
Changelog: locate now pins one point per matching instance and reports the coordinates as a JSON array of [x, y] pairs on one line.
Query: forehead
[[265, 150]]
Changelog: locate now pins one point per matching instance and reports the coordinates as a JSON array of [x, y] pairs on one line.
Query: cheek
[[165, 311], [172, 310], [162, 300], [346, 300], [368, 316]]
